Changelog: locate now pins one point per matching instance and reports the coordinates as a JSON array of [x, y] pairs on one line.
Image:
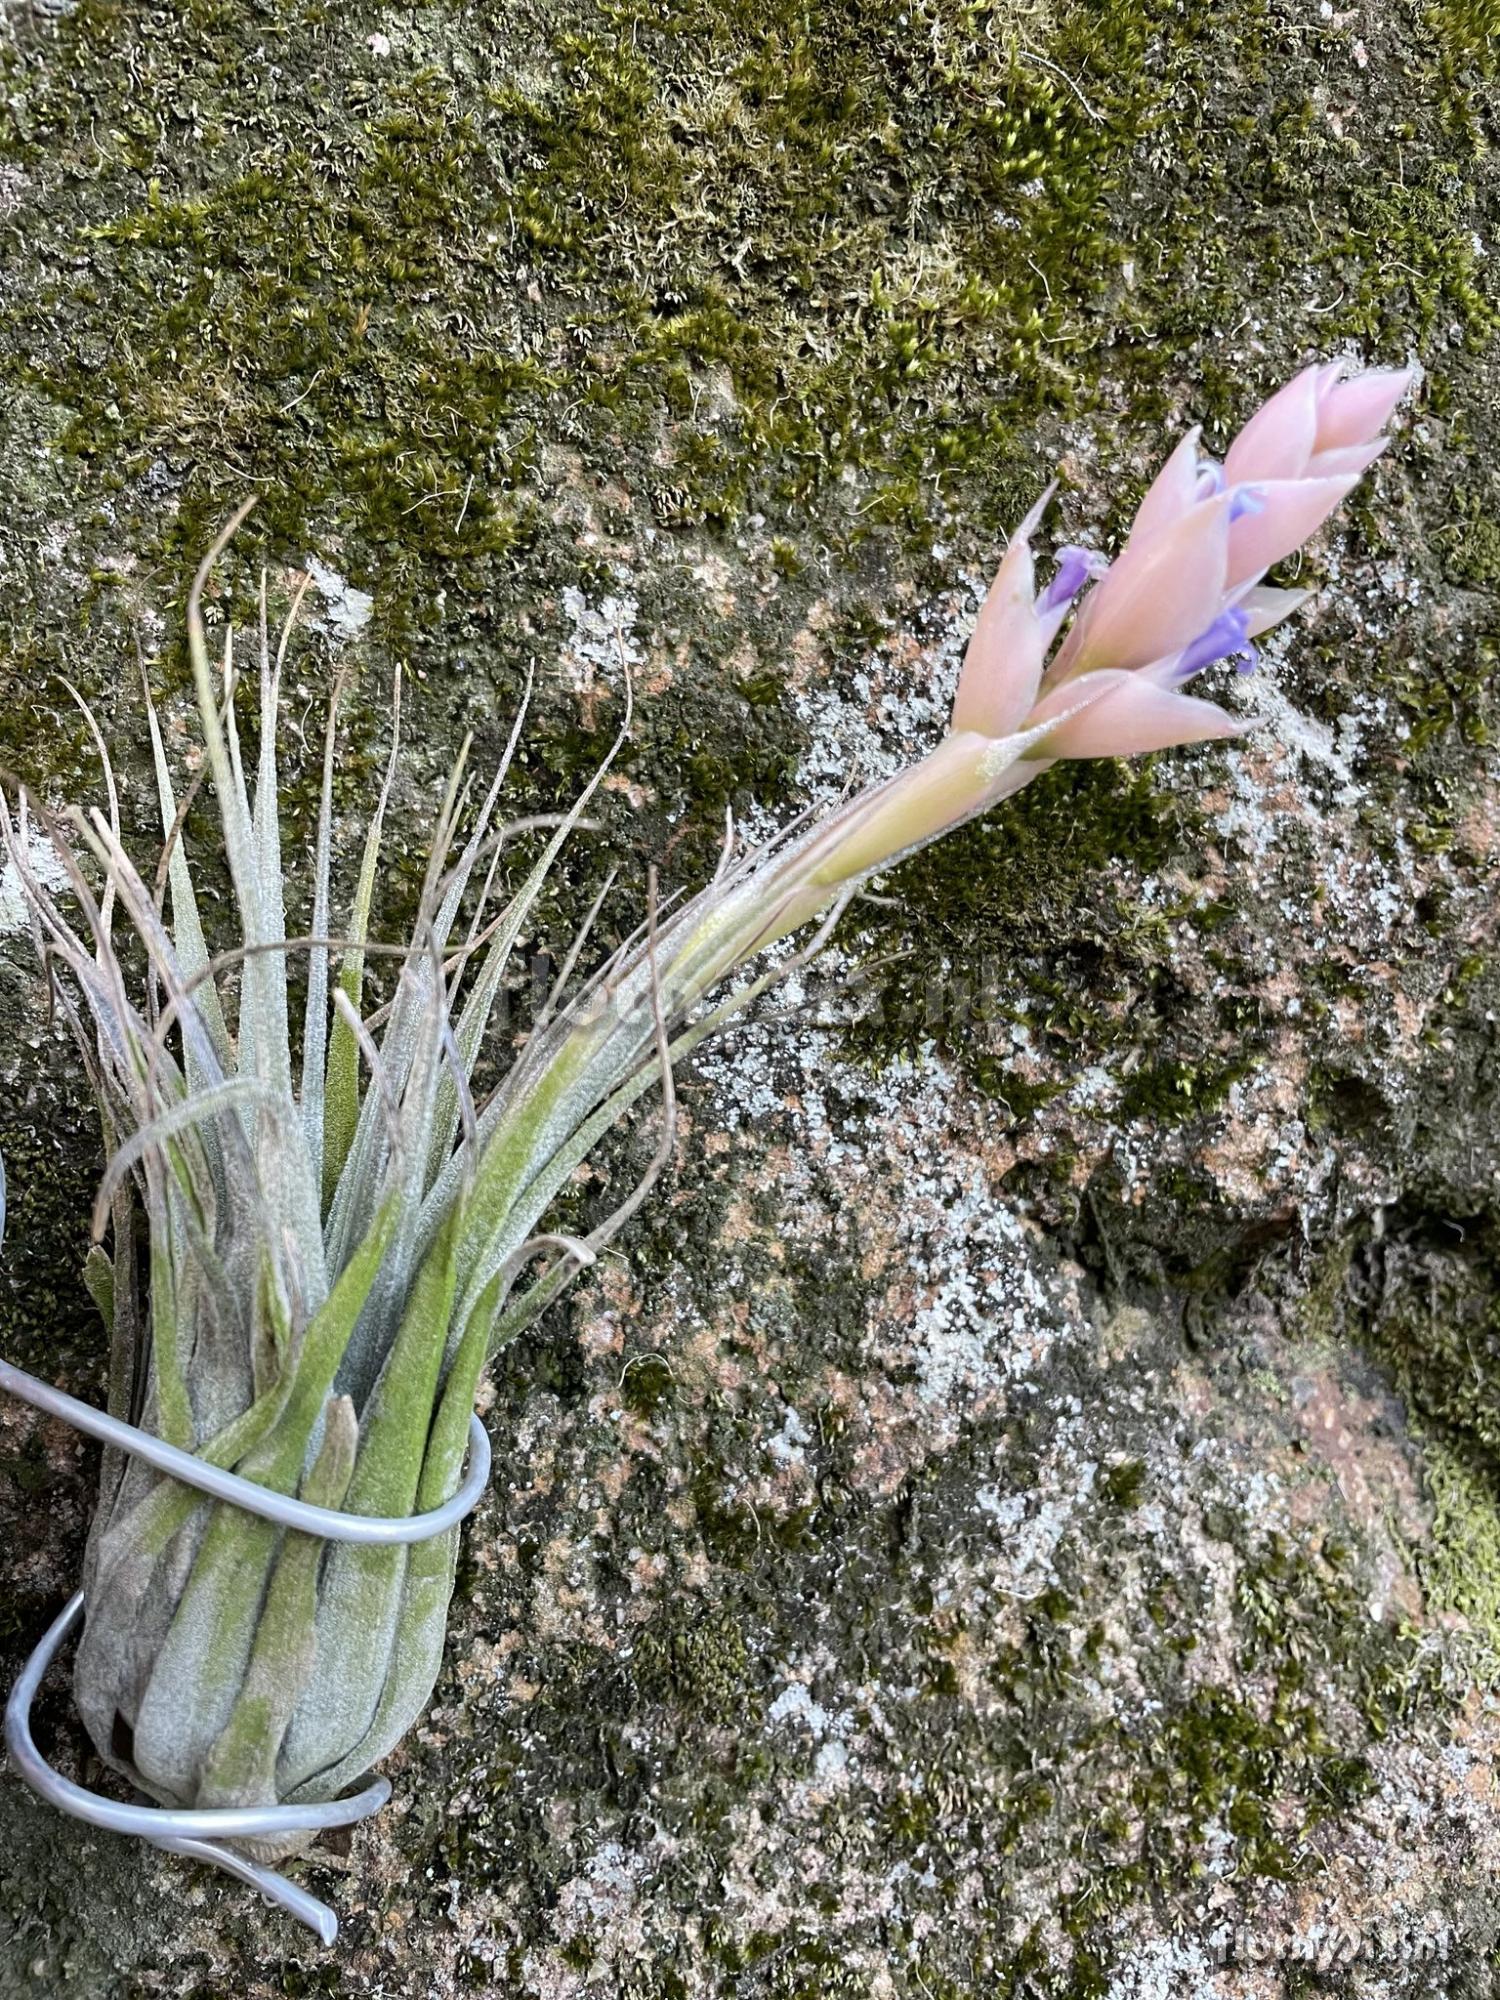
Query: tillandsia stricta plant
[[340, 1237]]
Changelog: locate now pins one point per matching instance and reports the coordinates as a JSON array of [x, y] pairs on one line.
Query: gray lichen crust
[[1022, 1518]]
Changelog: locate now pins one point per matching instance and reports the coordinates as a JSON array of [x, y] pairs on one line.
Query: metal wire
[[178, 1830], [326, 1522], [197, 1831]]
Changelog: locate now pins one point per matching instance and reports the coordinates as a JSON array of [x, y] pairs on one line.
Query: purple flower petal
[[1225, 639], [1075, 567], [1246, 500]]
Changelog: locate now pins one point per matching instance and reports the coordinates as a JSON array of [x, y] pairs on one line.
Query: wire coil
[[197, 1832]]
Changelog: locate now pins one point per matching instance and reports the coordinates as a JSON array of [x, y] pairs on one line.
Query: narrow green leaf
[[341, 1085], [360, 1593], [187, 926], [99, 1281], [241, 1768]]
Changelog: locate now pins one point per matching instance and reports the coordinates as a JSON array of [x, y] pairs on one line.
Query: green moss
[[1178, 1089], [1016, 1094], [1263, 1758], [1423, 232], [1319, 1309], [305, 1982], [647, 1383], [354, 328], [1438, 1321], [1124, 1483], [1018, 918], [1340, 1098], [1461, 1569], [1469, 30], [702, 1663], [1455, 694], [1423, 1296], [1472, 541]]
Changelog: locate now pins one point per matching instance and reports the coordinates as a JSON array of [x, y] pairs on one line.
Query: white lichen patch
[[896, 703], [966, 1306], [600, 1908], [1028, 1528], [14, 184], [345, 611], [602, 645], [43, 862], [1167, 1969]]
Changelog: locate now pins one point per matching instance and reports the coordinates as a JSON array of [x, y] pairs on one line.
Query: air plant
[[341, 1237]]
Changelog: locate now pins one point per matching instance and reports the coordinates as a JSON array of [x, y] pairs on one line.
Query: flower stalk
[[340, 1236]]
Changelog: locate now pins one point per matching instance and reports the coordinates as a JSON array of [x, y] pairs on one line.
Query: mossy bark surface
[[1021, 1516]]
